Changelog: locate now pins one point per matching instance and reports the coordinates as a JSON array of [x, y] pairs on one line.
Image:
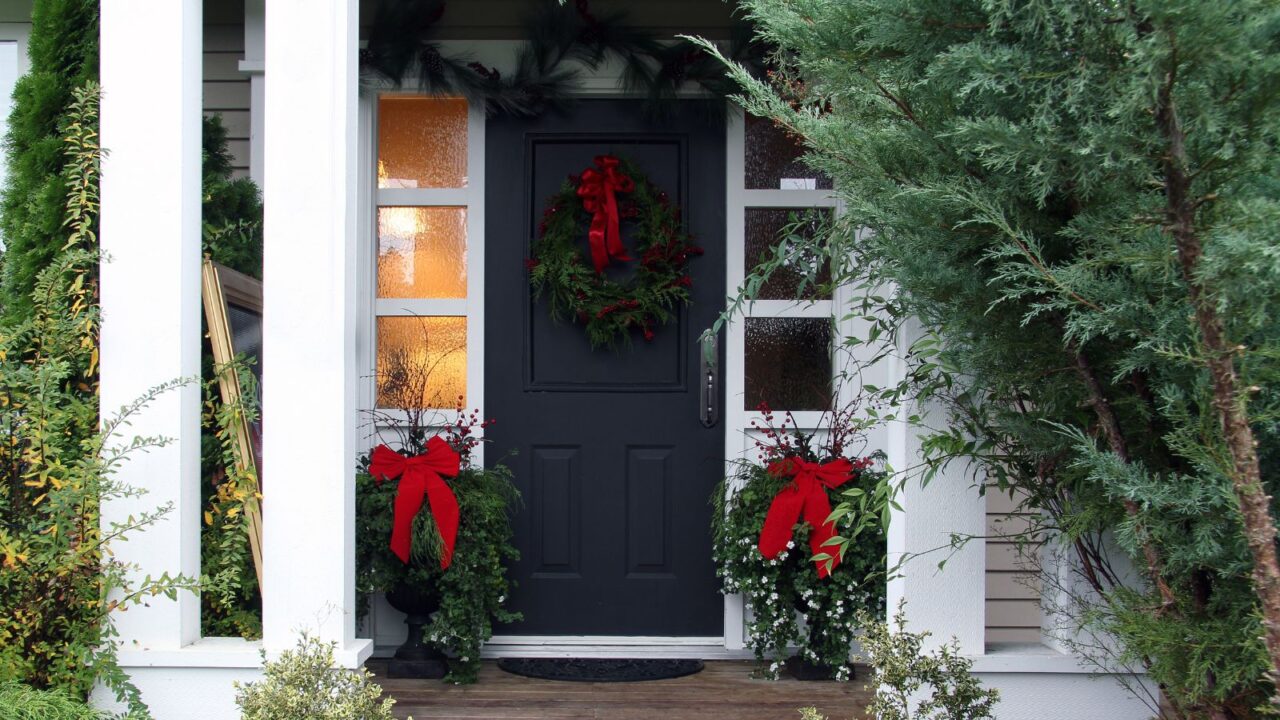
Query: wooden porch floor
[[725, 690]]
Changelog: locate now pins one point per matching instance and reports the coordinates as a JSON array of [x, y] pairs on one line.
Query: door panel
[[614, 466]]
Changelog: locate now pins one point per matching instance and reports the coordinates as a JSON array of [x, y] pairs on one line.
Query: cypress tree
[[1077, 200], [63, 50]]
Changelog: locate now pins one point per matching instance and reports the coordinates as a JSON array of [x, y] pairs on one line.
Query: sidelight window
[[427, 291], [783, 348]]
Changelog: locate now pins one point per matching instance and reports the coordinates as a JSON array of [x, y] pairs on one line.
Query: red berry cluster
[[778, 441], [546, 218], [461, 434]]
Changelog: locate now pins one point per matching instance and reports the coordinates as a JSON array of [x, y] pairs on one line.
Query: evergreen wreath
[[612, 309]]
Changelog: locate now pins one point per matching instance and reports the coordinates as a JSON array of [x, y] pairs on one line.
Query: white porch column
[[150, 284], [950, 601], [309, 353]]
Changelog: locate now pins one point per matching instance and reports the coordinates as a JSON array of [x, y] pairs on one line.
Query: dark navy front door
[[614, 465]]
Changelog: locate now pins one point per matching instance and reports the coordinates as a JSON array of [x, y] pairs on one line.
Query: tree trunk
[[1120, 447], [1228, 401]]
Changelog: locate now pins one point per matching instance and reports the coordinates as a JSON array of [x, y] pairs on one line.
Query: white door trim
[[383, 623]]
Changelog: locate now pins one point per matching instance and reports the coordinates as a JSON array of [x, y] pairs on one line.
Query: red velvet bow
[[597, 190], [420, 475], [806, 496]]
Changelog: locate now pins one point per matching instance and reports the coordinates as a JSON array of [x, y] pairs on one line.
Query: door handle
[[709, 380]]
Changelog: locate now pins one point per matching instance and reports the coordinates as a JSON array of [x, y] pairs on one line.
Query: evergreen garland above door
[[403, 50]]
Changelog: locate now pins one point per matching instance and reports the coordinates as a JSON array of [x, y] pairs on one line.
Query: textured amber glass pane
[[788, 363], [422, 252], [773, 160], [422, 362], [765, 231], [422, 142]]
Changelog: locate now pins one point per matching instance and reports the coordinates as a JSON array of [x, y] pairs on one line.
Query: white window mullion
[[425, 197], [402, 307], [789, 309], [788, 198]]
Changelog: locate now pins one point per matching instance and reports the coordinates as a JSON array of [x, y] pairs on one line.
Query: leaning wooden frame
[[221, 284]]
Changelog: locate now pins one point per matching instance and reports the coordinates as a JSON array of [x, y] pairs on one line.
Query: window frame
[[471, 198]]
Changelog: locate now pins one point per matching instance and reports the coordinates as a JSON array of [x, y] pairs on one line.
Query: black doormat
[[599, 670]]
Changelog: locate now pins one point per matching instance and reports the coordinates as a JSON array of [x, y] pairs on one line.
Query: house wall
[[1064, 696], [1013, 612], [15, 11], [226, 87]]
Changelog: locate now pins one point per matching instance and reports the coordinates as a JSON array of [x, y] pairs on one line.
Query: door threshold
[[611, 646]]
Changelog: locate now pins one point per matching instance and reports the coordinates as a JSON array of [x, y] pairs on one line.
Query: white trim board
[[603, 646], [736, 419]]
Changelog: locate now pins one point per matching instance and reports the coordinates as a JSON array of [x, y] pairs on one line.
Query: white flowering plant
[[792, 604]]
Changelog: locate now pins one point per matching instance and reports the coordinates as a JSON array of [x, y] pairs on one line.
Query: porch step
[[725, 689]]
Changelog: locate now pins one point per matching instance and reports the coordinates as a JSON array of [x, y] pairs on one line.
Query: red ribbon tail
[[613, 234], [444, 508], [408, 502], [778, 523], [596, 236], [816, 510]]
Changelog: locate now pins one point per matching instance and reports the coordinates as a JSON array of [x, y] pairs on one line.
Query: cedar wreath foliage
[[1076, 202], [609, 308], [63, 49]]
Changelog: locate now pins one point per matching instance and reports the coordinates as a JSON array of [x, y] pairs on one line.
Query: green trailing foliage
[[19, 702], [59, 582], [303, 683], [63, 52], [1059, 194], [474, 588], [232, 219], [232, 605]]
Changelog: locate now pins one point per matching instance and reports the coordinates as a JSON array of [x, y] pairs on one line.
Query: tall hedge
[[63, 50]]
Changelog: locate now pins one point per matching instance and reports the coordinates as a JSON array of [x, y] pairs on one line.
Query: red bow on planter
[[597, 190], [806, 496], [420, 475]]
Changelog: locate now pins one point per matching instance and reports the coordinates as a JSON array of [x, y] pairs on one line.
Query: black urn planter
[[415, 658], [807, 670], [802, 669]]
